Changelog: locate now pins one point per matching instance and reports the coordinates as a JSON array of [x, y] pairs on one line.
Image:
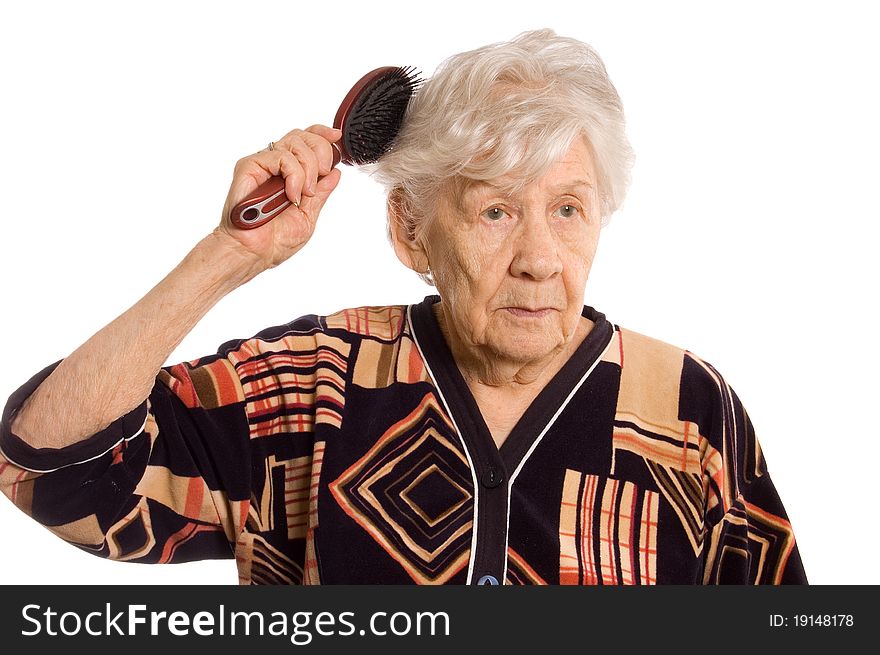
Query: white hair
[[513, 107]]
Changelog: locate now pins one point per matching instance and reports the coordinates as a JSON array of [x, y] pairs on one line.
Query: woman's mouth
[[528, 313]]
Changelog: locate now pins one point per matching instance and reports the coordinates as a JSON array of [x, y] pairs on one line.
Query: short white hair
[[509, 108]]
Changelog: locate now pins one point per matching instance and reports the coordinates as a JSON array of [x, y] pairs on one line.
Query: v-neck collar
[[490, 460]]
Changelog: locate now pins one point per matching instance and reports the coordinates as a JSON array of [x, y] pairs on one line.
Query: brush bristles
[[377, 114]]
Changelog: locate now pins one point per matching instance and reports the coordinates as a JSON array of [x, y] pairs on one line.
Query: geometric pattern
[[132, 536], [648, 402], [740, 457], [297, 479], [18, 484], [647, 424], [379, 322], [300, 477], [209, 385], [190, 497], [646, 421], [311, 574], [247, 433], [261, 563], [674, 451], [607, 532], [748, 546], [519, 572], [317, 461], [412, 492], [379, 365], [685, 495], [291, 383]]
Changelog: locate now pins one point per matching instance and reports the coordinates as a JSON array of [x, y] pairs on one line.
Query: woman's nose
[[536, 252]]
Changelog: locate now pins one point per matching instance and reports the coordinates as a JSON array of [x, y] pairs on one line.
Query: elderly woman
[[500, 432]]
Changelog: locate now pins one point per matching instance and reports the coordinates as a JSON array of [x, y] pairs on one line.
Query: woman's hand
[[304, 158]]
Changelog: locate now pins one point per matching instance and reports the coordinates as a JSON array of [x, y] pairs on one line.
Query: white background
[[748, 236]]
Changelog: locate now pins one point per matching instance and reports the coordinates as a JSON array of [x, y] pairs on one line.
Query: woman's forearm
[[114, 371]]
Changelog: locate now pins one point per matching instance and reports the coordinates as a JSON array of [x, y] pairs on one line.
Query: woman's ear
[[409, 251]]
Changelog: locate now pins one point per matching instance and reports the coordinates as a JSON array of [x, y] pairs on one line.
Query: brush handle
[[266, 201]]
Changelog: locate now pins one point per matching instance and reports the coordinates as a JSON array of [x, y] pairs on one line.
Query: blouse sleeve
[[167, 482], [748, 537]]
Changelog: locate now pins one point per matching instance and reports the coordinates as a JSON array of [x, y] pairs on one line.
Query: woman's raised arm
[[114, 371]]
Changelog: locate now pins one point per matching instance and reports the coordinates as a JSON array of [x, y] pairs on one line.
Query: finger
[[318, 137], [332, 134], [295, 144], [323, 150], [250, 172], [326, 185], [294, 176], [247, 176]]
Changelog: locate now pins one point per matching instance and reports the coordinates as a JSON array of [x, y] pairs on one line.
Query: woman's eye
[[495, 214], [567, 211]]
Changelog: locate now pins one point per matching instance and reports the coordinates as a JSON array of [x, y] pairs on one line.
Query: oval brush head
[[370, 117], [372, 113]]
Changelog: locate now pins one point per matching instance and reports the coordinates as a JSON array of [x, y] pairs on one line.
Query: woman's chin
[[524, 346]]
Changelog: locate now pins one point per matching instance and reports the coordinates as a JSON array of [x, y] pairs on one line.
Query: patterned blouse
[[348, 449]]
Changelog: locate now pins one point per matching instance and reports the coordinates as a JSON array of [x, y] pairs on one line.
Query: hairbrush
[[370, 117]]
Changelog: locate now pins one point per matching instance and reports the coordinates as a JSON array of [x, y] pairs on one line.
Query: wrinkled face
[[511, 267]]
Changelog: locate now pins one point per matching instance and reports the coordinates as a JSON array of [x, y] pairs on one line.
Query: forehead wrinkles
[[578, 187], [576, 173]]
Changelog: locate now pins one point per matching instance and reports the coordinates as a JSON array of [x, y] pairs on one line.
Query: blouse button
[[488, 579], [492, 477]]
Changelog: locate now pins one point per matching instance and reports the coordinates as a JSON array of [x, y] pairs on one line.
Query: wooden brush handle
[[266, 201]]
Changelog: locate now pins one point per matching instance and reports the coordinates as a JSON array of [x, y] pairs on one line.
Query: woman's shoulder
[[675, 409], [667, 380], [654, 357], [382, 322], [386, 323]]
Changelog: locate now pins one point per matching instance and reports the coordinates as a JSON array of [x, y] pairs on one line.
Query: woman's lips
[[525, 313]]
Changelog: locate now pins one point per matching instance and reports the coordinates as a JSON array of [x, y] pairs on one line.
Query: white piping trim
[[464, 445], [538, 440], [14, 463]]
